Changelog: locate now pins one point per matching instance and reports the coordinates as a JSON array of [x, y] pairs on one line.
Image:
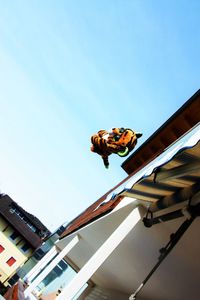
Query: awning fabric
[[187, 141]]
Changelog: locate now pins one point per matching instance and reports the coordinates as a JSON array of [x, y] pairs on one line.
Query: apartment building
[[21, 234]]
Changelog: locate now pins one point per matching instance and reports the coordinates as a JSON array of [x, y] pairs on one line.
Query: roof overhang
[[131, 261], [185, 118]]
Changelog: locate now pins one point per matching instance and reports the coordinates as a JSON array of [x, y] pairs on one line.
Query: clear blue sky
[[70, 68]]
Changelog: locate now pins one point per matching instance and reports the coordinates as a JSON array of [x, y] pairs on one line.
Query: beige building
[[13, 253], [20, 234]]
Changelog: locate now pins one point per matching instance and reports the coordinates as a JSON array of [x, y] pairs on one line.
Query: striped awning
[[173, 177]]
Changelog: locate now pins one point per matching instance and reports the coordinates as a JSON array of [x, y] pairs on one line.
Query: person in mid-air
[[119, 141]]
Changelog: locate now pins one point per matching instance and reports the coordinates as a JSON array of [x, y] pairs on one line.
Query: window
[[33, 228], [14, 235], [25, 247], [11, 261], [12, 210], [1, 248]]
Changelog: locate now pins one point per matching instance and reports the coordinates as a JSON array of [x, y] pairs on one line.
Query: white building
[[141, 239]]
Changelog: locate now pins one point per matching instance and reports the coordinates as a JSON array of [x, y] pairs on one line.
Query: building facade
[[20, 235]]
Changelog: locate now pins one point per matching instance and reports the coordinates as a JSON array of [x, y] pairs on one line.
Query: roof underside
[[171, 185], [178, 124], [128, 265]]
